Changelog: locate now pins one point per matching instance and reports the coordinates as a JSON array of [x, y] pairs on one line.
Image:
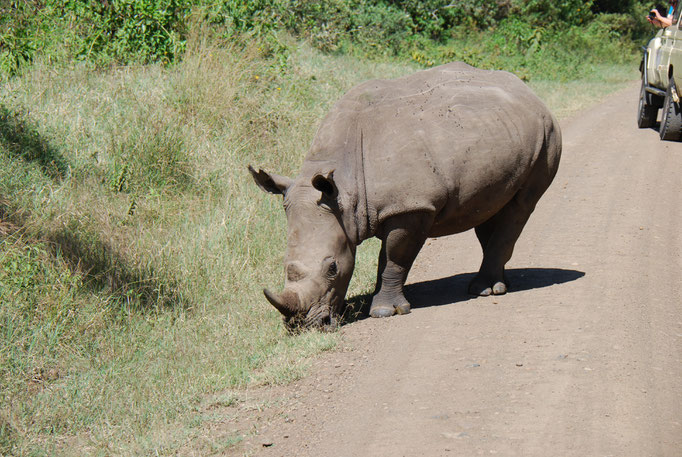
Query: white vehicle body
[[661, 70]]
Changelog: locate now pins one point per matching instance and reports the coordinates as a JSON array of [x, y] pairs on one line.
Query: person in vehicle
[[659, 20]]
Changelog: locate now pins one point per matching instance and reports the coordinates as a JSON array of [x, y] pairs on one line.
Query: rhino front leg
[[402, 238]]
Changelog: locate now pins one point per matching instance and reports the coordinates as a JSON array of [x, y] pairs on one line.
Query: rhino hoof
[[499, 288], [382, 311], [481, 291], [403, 308], [483, 285]]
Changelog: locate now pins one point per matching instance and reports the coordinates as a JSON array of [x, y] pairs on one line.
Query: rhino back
[[453, 140]]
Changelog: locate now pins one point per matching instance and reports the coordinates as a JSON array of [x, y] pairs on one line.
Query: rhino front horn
[[287, 303]]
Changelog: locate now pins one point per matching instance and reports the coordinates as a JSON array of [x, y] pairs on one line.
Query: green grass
[[134, 245], [566, 99]]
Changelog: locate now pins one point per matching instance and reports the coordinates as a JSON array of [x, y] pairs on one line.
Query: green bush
[[532, 52], [19, 21], [127, 31], [239, 16], [143, 31], [122, 31], [550, 12], [435, 18], [326, 23], [382, 27]]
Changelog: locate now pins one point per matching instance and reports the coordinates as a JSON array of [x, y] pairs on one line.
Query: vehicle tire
[[647, 110], [671, 118]]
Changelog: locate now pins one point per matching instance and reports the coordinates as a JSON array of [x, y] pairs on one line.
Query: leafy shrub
[[382, 27], [240, 16], [532, 52], [142, 31], [123, 31], [16, 44], [550, 12], [129, 31], [326, 23], [617, 25], [615, 6], [435, 18]]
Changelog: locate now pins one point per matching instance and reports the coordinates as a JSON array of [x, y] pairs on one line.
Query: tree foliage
[[142, 31]]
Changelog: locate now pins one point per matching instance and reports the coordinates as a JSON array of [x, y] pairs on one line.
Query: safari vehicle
[[661, 70]]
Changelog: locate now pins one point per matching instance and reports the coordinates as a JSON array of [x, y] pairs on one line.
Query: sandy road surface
[[582, 358]]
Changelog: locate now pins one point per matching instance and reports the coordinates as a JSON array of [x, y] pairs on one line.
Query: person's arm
[[660, 21]]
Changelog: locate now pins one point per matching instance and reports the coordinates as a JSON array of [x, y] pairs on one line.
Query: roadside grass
[[134, 245], [566, 99]]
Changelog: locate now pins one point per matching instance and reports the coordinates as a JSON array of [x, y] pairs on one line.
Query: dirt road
[[582, 358]]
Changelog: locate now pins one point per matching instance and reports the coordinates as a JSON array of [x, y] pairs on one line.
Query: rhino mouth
[[318, 317], [321, 316], [322, 313]]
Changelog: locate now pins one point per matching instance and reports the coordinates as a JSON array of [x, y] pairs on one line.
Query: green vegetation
[[144, 31], [133, 243]]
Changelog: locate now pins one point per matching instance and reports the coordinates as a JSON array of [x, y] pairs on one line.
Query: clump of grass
[[150, 156]]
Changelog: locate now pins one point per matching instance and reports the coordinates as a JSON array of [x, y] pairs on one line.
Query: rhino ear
[[324, 182], [271, 183]]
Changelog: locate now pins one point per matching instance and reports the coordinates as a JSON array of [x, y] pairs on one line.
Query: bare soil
[[582, 358]]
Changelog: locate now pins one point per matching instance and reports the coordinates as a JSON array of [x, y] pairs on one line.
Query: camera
[[661, 10]]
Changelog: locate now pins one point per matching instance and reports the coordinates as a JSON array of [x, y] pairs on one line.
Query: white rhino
[[435, 153]]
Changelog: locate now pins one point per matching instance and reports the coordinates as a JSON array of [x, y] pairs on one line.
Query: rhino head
[[320, 256]]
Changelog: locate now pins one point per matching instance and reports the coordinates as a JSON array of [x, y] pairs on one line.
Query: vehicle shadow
[[453, 289]]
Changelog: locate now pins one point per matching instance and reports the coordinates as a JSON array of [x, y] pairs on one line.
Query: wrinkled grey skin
[[438, 152]]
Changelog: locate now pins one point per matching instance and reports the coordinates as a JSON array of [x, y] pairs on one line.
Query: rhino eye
[[333, 269]]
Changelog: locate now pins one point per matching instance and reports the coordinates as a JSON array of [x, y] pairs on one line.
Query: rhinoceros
[[434, 153]]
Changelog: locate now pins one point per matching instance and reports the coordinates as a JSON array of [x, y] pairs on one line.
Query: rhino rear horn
[[286, 303]]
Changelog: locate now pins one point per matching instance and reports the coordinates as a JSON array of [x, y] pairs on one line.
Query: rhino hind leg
[[402, 239], [498, 236]]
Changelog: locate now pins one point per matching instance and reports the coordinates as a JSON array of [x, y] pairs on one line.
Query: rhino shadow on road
[[453, 289]]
